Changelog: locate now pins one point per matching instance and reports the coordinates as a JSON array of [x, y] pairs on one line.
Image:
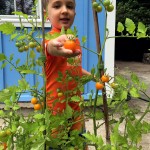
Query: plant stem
[[101, 70], [90, 50], [146, 111]]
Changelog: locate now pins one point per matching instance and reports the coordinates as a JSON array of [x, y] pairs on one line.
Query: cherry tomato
[[60, 94], [70, 44], [99, 8], [34, 100], [105, 78], [114, 85], [38, 48], [26, 48], [2, 133], [106, 2], [110, 8], [99, 86], [94, 5], [21, 49], [18, 44], [32, 44], [37, 106]]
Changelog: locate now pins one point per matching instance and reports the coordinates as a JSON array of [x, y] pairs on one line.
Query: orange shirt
[[55, 68]]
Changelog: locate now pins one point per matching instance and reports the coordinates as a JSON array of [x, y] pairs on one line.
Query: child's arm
[[55, 47]]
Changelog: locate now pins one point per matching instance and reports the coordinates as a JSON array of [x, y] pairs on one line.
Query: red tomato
[[70, 44]]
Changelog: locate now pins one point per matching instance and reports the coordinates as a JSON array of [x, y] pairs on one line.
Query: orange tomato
[[70, 44], [37, 106], [105, 78], [99, 86], [34, 100]]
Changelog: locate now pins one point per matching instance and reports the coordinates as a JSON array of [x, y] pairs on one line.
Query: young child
[[61, 13]]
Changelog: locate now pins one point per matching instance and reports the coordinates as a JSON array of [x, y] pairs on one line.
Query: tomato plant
[[35, 131], [70, 44]]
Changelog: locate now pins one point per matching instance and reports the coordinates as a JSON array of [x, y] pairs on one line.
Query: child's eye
[[70, 6], [56, 6]]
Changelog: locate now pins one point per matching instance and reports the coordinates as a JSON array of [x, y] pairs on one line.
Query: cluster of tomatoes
[[25, 46], [37, 105], [105, 79], [106, 3]]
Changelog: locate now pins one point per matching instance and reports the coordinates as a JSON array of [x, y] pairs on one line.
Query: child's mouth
[[64, 20]]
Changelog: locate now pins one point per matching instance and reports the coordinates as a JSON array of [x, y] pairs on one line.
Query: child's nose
[[64, 9]]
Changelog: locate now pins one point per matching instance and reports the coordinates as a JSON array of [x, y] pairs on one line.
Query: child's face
[[61, 13]]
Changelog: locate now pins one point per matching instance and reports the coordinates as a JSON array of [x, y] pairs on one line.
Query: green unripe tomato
[[32, 45], [18, 44], [99, 8], [2, 134], [21, 49], [26, 48], [94, 5], [110, 8], [106, 3]]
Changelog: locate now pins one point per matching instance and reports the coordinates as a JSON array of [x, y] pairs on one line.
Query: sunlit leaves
[[2, 57], [7, 28], [130, 26], [120, 27]]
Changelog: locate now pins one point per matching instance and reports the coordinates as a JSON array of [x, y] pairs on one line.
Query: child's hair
[[45, 3]]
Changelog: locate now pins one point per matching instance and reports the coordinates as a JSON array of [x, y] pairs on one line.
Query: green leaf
[[4, 65], [17, 61], [38, 145], [7, 28], [120, 27], [68, 112], [84, 39], [23, 84], [2, 57], [134, 92], [11, 57], [63, 30], [22, 37], [32, 54], [75, 99], [142, 28], [13, 36], [130, 26], [16, 107], [91, 137], [38, 116], [28, 71], [19, 13], [135, 78], [123, 95]]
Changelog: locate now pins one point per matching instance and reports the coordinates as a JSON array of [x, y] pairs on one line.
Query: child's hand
[[56, 47]]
